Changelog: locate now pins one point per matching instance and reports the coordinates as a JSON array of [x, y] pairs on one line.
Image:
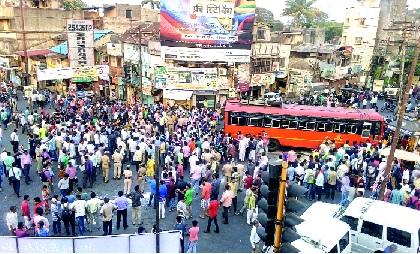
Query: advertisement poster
[[225, 24], [80, 43], [192, 78], [85, 74]]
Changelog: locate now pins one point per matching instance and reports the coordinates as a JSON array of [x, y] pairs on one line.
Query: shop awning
[[177, 95], [402, 155]]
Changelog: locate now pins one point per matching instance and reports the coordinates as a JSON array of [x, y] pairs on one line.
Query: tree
[[70, 5], [152, 3], [267, 17], [303, 13], [332, 30]]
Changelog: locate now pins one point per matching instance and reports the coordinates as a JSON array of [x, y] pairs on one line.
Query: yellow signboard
[[85, 74]]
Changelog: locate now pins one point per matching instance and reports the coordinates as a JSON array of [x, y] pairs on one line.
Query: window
[[362, 21], [344, 242], [352, 128], [324, 125], [262, 65], [255, 121], [268, 122], [282, 62], [352, 222], [237, 119], [366, 129], [285, 123], [128, 14], [260, 34], [372, 229], [340, 127], [397, 236], [358, 41], [376, 128], [334, 249], [293, 124], [276, 123]]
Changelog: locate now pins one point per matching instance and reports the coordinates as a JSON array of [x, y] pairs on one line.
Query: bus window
[[267, 122], [376, 129], [366, 129], [310, 126], [340, 127], [351, 128], [254, 121], [302, 125], [285, 123], [325, 125], [276, 123], [237, 119], [293, 124]]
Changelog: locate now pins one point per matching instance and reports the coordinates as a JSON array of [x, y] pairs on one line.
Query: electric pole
[[140, 59], [25, 51], [401, 112]]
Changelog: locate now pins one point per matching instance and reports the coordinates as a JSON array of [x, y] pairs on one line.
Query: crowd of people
[[354, 170], [76, 145]]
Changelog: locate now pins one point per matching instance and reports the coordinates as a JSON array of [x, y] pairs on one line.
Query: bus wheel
[[273, 145]]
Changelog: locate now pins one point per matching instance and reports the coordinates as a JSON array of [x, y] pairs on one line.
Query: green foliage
[[303, 14], [70, 5], [332, 30], [378, 72], [267, 17]]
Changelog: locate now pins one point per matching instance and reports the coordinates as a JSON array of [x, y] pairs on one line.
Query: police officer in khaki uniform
[[117, 158], [105, 166], [141, 177]]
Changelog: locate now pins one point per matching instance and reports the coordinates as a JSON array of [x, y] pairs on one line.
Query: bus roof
[[304, 110]]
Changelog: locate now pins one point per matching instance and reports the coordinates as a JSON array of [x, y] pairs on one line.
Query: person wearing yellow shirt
[[42, 132], [150, 167]]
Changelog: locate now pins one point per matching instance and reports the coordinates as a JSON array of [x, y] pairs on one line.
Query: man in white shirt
[[14, 139], [12, 219], [79, 208], [254, 238], [17, 173]]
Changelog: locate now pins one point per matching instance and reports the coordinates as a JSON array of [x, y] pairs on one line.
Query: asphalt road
[[232, 238]]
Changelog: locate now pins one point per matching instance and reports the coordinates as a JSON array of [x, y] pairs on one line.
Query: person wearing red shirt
[[38, 203], [248, 181], [205, 197], [191, 145], [213, 208], [24, 207]]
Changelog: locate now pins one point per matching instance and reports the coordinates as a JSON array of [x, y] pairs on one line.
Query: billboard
[[80, 43], [225, 24], [211, 55]]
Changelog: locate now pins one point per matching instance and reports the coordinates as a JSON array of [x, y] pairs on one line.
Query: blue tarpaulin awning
[[62, 47]]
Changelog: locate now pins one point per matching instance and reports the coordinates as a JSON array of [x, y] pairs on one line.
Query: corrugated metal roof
[[150, 31], [35, 52], [62, 48]]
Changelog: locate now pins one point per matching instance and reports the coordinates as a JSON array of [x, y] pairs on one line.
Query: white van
[[323, 235], [376, 225]]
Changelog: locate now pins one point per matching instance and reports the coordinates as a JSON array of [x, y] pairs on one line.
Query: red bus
[[304, 126]]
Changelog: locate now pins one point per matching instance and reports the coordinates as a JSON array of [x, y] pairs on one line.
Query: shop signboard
[[225, 24], [85, 74], [54, 74], [103, 72], [262, 79], [80, 42], [243, 87], [211, 55], [192, 78]]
